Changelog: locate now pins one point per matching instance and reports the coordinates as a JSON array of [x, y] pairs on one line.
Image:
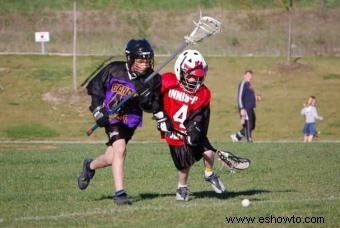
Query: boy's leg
[[182, 192], [209, 175], [89, 167], [305, 138], [119, 148], [118, 158], [310, 138], [183, 159]]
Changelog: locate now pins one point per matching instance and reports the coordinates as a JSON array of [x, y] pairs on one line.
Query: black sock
[[88, 166]]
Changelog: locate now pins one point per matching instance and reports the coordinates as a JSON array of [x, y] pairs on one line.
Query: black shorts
[[185, 156], [118, 131]]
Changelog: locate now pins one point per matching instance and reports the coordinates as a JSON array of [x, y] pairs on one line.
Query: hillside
[[36, 94], [249, 27], [37, 100]]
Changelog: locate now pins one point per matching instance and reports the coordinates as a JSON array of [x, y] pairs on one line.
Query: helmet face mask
[[191, 83], [190, 70], [139, 56]]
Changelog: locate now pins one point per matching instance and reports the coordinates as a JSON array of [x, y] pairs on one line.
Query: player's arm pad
[[101, 116], [96, 87]]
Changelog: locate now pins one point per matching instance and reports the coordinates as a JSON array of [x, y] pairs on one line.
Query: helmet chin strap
[[131, 74]]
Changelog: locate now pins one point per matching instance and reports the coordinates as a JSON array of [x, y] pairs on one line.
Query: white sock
[[181, 185], [208, 173]]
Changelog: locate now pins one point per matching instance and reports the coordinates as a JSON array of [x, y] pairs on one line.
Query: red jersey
[[179, 105]]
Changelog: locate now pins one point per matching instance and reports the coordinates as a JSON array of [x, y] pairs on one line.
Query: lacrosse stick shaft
[[84, 83], [112, 111], [180, 48]]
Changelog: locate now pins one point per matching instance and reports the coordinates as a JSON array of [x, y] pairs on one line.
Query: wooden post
[[289, 49], [74, 65]]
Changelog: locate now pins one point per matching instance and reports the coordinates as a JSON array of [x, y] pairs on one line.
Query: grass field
[[38, 101], [38, 187]]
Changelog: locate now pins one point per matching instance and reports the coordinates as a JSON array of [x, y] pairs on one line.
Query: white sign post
[[42, 37]]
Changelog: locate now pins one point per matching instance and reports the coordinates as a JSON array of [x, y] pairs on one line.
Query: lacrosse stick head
[[231, 161], [205, 27]]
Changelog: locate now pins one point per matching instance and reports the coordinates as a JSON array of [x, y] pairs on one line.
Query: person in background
[[246, 100], [310, 113]]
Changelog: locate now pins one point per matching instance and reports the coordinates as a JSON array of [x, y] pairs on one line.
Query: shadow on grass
[[206, 194], [201, 194]]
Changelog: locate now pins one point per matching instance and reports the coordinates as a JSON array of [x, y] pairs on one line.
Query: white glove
[[163, 122]]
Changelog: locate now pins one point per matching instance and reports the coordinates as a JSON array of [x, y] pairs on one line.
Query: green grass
[[38, 186], [30, 131], [39, 89]]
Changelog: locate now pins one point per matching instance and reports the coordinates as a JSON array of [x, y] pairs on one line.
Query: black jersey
[[114, 83]]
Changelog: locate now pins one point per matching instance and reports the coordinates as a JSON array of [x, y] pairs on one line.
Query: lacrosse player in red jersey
[[186, 102]]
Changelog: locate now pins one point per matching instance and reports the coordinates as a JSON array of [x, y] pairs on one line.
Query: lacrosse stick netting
[[205, 27]]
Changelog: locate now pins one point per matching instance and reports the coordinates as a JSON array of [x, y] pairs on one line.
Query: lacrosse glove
[[101, 116], [194, 134], [163, 122], [142, 88]]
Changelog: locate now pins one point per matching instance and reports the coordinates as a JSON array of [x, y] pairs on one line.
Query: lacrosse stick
[[232, 161], [96, 71], [228, 159], [205, 27]]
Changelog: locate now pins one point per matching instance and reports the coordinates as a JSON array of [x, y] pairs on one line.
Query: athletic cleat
[[122, 200], [231, 161], [86, 175], [234, 138], [182, 194], [215, 182]]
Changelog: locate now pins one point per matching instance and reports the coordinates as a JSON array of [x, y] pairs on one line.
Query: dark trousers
[[249, 124]]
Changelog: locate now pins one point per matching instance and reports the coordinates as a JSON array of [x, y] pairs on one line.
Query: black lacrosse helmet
[[138, 49]]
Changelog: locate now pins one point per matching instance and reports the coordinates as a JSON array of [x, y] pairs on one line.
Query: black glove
[[194, 135], [142, 88], [101, 116], [163, 122]]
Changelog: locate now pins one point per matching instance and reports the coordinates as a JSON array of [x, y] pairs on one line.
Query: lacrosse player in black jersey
[[109, 87]]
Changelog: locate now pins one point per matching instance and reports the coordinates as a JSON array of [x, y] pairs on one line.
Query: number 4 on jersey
[[181, 115]]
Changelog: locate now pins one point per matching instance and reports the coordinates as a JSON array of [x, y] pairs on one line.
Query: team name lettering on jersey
[[181, 96], [175, 135], [121, 89]]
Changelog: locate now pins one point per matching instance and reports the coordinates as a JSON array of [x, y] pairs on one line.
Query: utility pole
[[74, 65], [289, 50]]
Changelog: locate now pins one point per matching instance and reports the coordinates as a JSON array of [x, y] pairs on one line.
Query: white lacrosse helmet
[[190, 70]]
